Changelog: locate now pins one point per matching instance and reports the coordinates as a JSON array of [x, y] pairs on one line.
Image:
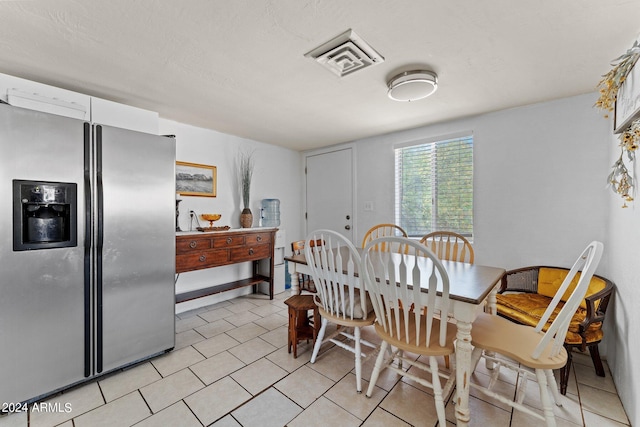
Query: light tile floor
[[230, 367]]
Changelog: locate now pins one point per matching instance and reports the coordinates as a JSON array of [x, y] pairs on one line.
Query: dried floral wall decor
[[621, 177]]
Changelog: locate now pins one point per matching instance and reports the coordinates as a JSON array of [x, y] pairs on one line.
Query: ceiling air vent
[[345, 54]]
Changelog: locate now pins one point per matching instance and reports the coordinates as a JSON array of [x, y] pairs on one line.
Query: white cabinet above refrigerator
[[62, 102]]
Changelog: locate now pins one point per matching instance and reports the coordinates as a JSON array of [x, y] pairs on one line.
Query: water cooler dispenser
[[270, 212], [270, 217]]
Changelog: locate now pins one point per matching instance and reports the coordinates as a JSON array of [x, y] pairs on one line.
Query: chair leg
[[299, 317], [291, 330], [318, 343], [545, 399], [597, 362], [437, 391], [551, 379], [476, 355], [316, 325], [448, 386], [565, 372], [377, 368], [358, 353]]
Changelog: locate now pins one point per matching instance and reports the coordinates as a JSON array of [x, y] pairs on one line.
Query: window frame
[[434, 182]]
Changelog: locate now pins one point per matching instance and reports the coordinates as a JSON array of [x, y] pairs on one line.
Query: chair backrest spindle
[[334, 264], [587, 263], [449, 246], [396, 281], [383, 230]]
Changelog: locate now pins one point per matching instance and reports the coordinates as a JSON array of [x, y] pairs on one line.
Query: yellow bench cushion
[[550, 279], [528, 308]]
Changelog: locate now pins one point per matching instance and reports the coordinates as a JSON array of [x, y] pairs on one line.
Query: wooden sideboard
[[218, 248]]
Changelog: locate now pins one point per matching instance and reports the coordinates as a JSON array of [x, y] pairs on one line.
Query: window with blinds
[[434, 186]]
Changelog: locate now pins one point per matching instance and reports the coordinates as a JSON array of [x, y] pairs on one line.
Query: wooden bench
[[526, 292]]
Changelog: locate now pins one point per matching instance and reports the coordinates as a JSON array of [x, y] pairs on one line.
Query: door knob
[[347, 227]]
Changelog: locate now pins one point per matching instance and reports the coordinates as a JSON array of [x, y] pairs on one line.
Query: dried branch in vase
[[245, 168]]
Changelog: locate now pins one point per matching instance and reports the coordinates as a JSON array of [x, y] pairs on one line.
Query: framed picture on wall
[[627, 107], [193, 179]]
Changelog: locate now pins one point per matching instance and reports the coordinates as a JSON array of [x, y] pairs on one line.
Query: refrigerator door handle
[[87, 250], [99, 246]]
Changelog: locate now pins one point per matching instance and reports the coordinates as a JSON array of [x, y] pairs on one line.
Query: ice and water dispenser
[[44, 215]]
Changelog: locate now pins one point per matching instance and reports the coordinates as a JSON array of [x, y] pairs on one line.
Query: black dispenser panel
[[44, 215]]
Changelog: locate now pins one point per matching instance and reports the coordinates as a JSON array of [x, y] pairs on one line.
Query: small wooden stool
[[299, 325]]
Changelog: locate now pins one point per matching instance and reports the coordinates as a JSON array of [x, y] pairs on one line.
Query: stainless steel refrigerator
[[87, 250]]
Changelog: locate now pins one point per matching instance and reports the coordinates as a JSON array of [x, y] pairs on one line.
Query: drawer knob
[[202, 258], [251, 251], [229, 240], [259, 238], [193, 244]]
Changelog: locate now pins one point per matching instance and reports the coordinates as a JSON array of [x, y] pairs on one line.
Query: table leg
[[463, 371], [295, 284]]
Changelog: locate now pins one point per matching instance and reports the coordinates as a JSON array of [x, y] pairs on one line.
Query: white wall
[[276, 175], [539, 180], [624, 270]]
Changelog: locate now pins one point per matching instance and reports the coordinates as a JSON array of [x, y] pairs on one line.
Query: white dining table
[[471, 288]]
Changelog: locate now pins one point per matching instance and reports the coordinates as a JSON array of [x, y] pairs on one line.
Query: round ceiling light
[[412, 85]]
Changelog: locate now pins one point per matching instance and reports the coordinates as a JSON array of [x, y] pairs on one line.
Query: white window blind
[[434, 186]]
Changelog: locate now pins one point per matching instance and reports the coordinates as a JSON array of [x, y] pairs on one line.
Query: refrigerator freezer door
[[41, 291], [138, 249]]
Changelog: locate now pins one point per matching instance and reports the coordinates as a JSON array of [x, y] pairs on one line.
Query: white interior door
[[330, 192]]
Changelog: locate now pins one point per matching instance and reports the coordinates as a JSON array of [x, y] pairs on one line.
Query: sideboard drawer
[[201, 259], [228, 241], [258, 238], [250, 253], [190, 245]]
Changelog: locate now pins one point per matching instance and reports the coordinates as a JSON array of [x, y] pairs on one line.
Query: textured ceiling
[[238, 66]]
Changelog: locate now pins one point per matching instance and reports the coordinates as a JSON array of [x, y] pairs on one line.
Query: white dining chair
[[341, 296], [382, 230], [406, 317], [449, 246], [532, 348]]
